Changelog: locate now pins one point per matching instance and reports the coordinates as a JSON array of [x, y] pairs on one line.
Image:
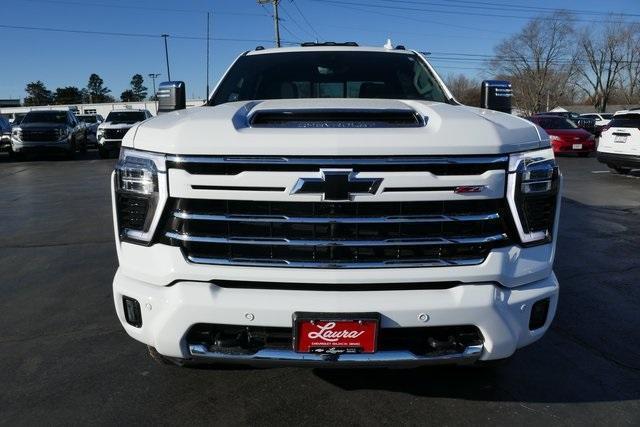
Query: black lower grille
[[238, 339], [39, 135], [115, 133], [132, 211], [336, 234], [539, 212]]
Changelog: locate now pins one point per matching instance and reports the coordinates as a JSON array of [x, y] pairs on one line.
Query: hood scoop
[[336, 118]]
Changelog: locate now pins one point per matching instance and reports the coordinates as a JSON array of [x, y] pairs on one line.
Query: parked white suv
[[335, 205], [110, 132], [619, 146]]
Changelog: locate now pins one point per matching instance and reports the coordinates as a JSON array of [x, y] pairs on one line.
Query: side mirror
[[171, 97], [496, 95]]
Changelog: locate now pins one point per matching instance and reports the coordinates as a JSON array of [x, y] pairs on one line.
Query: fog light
[[539, 312], [132, 312]]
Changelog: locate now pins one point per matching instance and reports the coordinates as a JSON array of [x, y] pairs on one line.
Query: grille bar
[[427, 241], [416, 263], [337, 220]]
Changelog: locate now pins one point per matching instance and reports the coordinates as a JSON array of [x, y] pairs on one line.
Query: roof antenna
[[388, 44]]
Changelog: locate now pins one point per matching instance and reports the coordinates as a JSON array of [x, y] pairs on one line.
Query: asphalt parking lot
[[66, 360]]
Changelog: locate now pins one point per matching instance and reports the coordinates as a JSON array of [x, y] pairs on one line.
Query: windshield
[[87, 119], [626, 121], [18, 118], [555, 123], [606, 116], [125, 116], [45, 117], [328, 74]]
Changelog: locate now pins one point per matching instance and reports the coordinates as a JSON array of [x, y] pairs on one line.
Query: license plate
[[577, 146], [329, 333], [620, 139]]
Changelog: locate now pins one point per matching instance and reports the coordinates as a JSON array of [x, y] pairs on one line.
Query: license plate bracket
[[577, 146], [335, 333]]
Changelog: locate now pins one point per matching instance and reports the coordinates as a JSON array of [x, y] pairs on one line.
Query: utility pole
[[166, 55], [207, 92], [276, 19]]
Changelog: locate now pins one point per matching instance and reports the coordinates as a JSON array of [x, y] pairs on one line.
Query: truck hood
[[226, 130]]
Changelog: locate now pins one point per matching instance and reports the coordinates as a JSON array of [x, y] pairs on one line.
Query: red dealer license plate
[[329, 333]]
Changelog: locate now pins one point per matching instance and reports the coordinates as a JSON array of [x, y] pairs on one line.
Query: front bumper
[[110, 144], [619, 160], [40, 146], [501, 314]]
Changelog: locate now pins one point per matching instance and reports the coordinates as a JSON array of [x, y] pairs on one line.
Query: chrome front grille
[[336, 234], [246, 211]]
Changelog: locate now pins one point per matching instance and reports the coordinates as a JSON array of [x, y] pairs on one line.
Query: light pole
[[154, 76], [166, 55]]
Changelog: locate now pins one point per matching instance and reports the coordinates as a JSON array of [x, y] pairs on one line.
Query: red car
[[566, 136]]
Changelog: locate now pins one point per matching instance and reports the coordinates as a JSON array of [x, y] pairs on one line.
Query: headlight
[[100, 132], [140, 193], [532, 191], [17, 134]]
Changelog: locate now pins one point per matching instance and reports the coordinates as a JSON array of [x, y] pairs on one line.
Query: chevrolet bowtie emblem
[[337, 184]]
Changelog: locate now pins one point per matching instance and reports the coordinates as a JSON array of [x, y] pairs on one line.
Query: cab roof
[[323, 48]]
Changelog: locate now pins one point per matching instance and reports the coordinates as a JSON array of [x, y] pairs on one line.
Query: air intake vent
[[337, 118]]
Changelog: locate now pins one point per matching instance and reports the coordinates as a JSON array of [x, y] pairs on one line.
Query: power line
[[122, 34], [295, 22], [408, 18], [448, 12], [144, 8], [505, 7], [305, 19]]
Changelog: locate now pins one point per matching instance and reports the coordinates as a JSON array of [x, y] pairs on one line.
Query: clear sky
[[458, 34]]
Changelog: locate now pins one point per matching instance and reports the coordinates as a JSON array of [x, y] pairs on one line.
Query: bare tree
[[464, 89], [604, 56], [630, 73], [540, 60]]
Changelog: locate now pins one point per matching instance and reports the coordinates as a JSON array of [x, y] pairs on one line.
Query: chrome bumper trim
[[470, 354]]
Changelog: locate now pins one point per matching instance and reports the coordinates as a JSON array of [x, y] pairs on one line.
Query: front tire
[[103, 152]]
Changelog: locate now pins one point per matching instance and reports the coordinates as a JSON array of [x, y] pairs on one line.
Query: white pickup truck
[[335, 205]]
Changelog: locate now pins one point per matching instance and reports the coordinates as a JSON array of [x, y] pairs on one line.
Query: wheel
[[164, 360], [71, 152], [103, 152], [621, 170], [18, 157], [83, 147]]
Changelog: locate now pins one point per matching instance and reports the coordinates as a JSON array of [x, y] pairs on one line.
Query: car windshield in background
[[323, 74], [606, 116], [45, 117], [626, 121], [87, 119], [555, 123], [125, 116]]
